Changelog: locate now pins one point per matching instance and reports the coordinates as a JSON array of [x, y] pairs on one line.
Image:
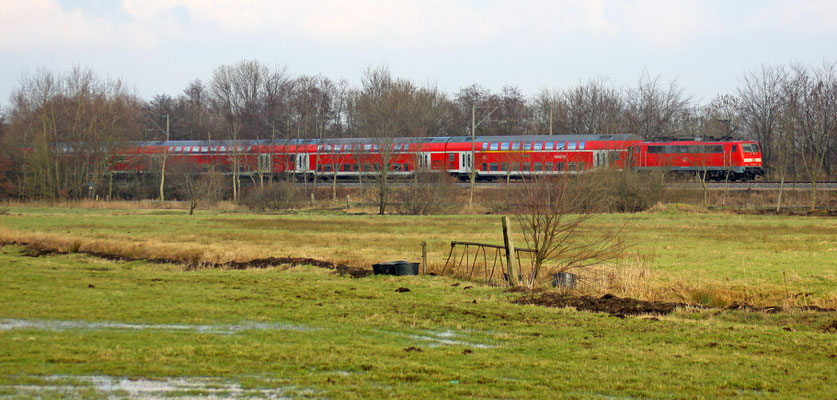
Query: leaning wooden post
[[348, 202], [423, 257], [507, 240]]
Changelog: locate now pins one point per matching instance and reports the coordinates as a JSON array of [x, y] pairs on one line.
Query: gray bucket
[[564, 280]]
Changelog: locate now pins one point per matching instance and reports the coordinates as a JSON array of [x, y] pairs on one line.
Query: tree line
[[790, 109]]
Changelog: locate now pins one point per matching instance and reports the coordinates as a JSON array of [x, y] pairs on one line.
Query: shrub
[[425, 194], [281, 195]]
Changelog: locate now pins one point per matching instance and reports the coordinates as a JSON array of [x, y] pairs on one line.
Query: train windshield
[[750, 148]]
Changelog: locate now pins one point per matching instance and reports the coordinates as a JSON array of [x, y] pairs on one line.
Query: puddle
[[18, 324], [449, 338], [68, 386]]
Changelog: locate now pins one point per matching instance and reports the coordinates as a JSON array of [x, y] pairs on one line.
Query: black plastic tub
[[407, 268], [397, 268]]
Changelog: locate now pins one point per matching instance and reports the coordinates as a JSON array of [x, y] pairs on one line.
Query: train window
[[548, 166], [581, 145], [655, 149], [515, 166], [695, 149], [734, 148], [571, 145], [485, 146], [451, 158], [538, 166], [178, 149], [504, 166], [527, 146], [204, 149], [515, 146], [396, 167], [527, 167], [367, 167], [494, 167], [539, 146], [749, 148], [560, 166], [581, 166], [484, 167], [715, 148], [171, 149], [367, 147], [549, 145], [572, 166], [327, 168], [494, 146], [504, 146], [559, 146]]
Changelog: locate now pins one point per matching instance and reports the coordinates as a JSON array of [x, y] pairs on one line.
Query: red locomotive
[[494, 157]]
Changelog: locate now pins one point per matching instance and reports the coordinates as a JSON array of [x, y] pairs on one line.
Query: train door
[[465, 162], [301, 163], [265, 162], [600, 159], [423, 161]]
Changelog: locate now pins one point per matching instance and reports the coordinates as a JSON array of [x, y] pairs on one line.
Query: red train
[[494, 157]]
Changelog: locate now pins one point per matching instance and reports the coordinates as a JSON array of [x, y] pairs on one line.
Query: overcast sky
[[158, 46]]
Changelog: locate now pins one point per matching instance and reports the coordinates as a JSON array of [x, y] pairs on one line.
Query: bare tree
[[817, 108], [761, 95], [653, 109], [590, 108], [553, 214], [74, 123]]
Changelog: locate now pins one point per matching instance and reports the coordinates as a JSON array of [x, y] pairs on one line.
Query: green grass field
[[79, 326]]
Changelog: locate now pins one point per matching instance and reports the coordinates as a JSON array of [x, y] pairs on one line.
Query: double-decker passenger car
[[491, 157]]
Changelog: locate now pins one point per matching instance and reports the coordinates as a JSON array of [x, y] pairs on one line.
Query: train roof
[[439, 139]]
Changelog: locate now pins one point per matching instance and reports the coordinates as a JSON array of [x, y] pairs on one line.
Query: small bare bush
[[281, 195], [426, 194], [552, 212]]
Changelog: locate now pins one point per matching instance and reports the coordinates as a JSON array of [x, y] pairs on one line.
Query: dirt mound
[[343, 269], [622, 307], [791, 212], [608, 303], [38, 250], [676, 208]]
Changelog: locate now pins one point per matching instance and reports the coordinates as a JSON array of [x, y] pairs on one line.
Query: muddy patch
[[616, 306], [68, 386], [52, 325], [38, 250], [624, 306]]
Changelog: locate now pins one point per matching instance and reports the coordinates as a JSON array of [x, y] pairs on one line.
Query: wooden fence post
[[423, 257], [507, 240]]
